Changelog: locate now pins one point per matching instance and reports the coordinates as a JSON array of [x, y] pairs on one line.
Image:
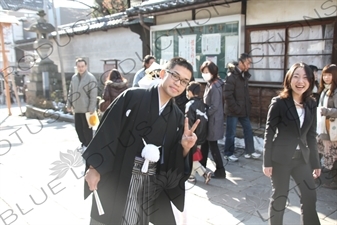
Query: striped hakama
[[140, 195]]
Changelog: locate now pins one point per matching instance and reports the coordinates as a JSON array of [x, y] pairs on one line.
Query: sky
[[76, 3]]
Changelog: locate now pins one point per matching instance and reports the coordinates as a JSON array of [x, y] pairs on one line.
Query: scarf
[[323, 102]]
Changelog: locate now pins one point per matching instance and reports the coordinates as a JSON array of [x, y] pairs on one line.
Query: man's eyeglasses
[[176, 77]]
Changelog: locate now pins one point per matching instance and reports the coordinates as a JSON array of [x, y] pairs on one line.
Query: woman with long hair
[[114, 85], [290, 147], [328, 112], [213, 99]]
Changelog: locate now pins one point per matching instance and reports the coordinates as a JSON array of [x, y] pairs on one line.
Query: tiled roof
[[131, 15], [160, 6], [102, 23], [21, 4]]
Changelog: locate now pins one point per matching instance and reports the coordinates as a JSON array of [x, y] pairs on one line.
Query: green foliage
[[57, 96], [108, 7]]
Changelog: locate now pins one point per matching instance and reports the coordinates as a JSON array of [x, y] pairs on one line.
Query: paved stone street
[[42, 183]]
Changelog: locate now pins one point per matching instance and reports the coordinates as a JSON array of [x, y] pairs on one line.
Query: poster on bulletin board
[[211, 44], [217, 40], [231, 49], [167, 47], [187, 49]]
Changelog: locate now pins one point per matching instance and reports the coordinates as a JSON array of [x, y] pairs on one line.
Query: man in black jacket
[[237, 107], [136, 120]]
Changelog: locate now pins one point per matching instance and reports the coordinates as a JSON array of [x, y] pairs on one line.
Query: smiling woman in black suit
[[290, 147]]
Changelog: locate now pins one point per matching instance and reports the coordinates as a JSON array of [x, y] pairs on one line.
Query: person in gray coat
[[82, 98], [147, 62], [213, 99]]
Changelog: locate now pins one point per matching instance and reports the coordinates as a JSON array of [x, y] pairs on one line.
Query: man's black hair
[[80, 60], [181, 62], [244, 56], [313, 68], [147, 59]]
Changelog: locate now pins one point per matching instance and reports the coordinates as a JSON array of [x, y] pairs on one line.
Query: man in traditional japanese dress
[[141, 126]]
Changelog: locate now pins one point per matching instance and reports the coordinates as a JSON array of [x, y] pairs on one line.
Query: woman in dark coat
[[213, 99], [290, 147], [114, 85]]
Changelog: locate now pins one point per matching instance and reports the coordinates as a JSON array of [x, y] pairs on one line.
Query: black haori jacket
[[119, 139]]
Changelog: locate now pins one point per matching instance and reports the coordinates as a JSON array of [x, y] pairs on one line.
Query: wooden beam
[[5, 65]]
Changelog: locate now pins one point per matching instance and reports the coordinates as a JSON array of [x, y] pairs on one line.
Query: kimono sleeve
[[101, 151]]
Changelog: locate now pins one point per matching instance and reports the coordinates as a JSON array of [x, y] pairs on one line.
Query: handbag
[[197, 155], [333, 129], [92, 119]]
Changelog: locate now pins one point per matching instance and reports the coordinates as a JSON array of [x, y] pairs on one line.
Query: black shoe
[[219, 174], [218, 177]]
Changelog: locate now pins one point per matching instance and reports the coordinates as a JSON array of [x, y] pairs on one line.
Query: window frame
[[287, 26]]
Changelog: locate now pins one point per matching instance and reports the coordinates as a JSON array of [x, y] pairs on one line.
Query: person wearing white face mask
[[213, 99], [207, 76]]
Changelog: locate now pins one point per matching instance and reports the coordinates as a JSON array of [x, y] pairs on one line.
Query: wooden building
[[277, 33]]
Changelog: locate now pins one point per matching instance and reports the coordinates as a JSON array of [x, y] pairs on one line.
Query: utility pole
[[5, 66], [63, 77]]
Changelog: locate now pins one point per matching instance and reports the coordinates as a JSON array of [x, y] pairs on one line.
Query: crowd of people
[[164, 127]]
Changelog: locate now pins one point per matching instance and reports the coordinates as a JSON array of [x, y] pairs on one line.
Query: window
[[274, 48]]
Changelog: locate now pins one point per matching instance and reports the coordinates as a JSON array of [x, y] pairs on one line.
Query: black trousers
[[302, 174], [84, 133], [213, 146]]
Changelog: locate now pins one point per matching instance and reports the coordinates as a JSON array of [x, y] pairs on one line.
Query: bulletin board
[[216, 40]]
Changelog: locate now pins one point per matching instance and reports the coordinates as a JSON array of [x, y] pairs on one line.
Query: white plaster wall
[[174, 17], [277, 11], [118, 43], [220, 10], [17, 32]]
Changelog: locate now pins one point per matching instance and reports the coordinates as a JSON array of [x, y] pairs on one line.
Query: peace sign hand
[[189, 138]]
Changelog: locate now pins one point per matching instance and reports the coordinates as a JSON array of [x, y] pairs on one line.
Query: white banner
[[187, 45]]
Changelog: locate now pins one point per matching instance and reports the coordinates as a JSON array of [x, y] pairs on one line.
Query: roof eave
[[173, 7]]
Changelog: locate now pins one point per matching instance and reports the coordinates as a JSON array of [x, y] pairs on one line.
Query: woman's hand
[[324, 111], [268, 171]]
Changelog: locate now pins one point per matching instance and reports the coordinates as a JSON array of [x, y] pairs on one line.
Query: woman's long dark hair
[[330, 68], [212, 68], [115, 76], [287, 91]]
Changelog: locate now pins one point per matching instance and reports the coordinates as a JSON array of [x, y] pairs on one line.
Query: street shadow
[[243, 197]]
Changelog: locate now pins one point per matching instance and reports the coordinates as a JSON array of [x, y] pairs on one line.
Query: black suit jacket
[[283, 133]]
